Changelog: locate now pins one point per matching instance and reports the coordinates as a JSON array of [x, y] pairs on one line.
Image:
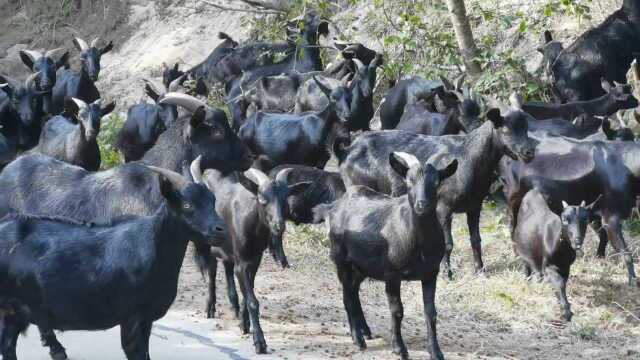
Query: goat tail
[[224, 36]]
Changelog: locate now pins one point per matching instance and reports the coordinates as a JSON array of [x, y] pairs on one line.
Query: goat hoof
[[567, 316], [436, 356], [261, 347], [211, 312], [366, 332], [634, 283], [58, 355], [360, 343], [400, 351]]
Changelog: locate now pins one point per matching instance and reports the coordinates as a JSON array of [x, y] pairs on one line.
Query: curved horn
[[459, 81], [153, 86], [257, 176], [34, 55], [359, 64], [79, 103], [31, 80], [81, 44], [178, 181], [409, 160], [11, 82], [97, 102], [94, 43], [196, 170], [52, 52], [175, 84], [283, 175], [186, 101]]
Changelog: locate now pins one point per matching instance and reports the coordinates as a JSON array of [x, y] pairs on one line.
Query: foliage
[[107, 141]]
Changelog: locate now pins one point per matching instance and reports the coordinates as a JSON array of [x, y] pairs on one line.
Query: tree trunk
[[462, 28]]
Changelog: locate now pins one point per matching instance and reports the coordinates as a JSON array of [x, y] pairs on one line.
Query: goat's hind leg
[[362, 322], [345, 274], [48, 339], [12, 325]]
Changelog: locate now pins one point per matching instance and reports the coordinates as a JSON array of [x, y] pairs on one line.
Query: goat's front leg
[[211, 301], [397, 312], [48, 339], [345, 275], [362, 322], [246, 272], [428, 298], [134, 338], [232, 293], [559, 284]]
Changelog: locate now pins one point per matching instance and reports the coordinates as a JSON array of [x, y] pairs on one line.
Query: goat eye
[[186, 206]]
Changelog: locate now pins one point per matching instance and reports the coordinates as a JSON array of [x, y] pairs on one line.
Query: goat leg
[[428, 298], [397, 313], [559, 283], [134, 337], [48, 339], [614, 231], [232, 293], [473, 222], [247, 270], [444, 218], [13, 325], [345, 275], [211, 301]]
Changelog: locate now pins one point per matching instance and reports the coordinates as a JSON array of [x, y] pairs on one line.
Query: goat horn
[[153, 86], [408, 159], [11, 82], [175, 84], [359, 64], [97, 102], [30, 82], [460, 80], [79, 103], [52, 52], [34, 55], [81, 44], [94, 43], [178, 181], [196, 170], [283, 175], [186, 101], [257, 176]]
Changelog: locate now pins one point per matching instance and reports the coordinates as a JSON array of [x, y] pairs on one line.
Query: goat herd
[[82, 249]]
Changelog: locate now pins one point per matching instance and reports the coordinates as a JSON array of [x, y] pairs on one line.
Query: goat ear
[[548, 37], [26, 59], [299, 188], [495, 117], [398, 165], [198, 117], [63, 60], [107, 48], [606, 129], [247, 183], [108, 109], [606, 85], [70, 107], [449, 170], [564, 204], [169, 192]]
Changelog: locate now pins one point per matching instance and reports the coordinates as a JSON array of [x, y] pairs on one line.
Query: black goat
[[418, 118], [80, 85], [479, 153], [305, 58], [605, 51], [257, 224], [170, 74], [68, 275], [392, 240], [326, 187], [574, 171], [72, 137], [548, 243], [616, 98], [22, 114], [278, 139], [45, 66], [360, 96], [411, 90], [145, 122]]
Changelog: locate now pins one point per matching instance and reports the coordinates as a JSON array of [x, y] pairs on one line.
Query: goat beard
[[277, 250]]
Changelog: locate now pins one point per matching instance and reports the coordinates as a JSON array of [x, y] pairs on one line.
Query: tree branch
[[227, 8]]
